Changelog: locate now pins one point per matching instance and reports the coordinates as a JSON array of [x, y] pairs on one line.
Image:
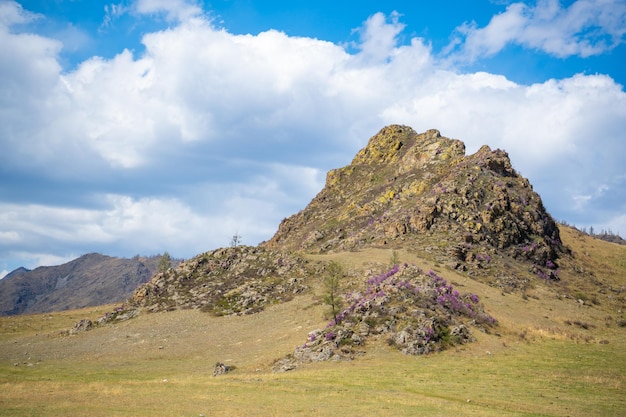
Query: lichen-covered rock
[[418, 191], [237, 280]]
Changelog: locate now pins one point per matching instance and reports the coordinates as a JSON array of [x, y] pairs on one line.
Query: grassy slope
[[162, 364]]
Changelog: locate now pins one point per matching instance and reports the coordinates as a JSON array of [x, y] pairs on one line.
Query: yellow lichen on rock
[[386, 197], [365, 209], [335, 177], [351, 210], [416, 188], [332, 177], [383, 147]]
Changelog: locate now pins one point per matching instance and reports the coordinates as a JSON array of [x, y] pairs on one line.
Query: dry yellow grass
[[161, 364]]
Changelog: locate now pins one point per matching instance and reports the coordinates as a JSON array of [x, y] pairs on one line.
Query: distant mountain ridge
[[15, 272], [90, 280]]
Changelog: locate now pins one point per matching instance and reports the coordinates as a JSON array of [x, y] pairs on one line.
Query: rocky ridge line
[[421, 192]]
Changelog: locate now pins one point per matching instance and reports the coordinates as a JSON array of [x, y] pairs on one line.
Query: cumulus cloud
[[203, 216], [207, 133], [378, 37], [585, 28], [123, 226]]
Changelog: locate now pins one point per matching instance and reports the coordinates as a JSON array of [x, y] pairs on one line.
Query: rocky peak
[[402, 145], [421, 192]]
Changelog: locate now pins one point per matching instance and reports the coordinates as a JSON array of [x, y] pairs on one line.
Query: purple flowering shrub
[[549, 273], [411, 284], [543, 259], [483, 258], [418, 312]]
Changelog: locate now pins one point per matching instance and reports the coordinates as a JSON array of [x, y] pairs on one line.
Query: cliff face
[[421, 192]]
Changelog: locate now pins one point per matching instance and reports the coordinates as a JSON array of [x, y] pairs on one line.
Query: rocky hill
[[90, 280], [416, 192], [421, 192], [236, 280], [413, 249]]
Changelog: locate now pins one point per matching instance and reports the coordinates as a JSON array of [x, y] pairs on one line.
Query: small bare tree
[[332, 287], [235, 240]]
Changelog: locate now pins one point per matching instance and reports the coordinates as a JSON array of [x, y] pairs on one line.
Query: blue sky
[[138, 127]]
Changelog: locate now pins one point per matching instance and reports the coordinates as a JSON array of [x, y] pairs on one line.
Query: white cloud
[[585, 28], [204, 217], [9, 236], [208, 133], [29, 73], [175, 10], [12, 13], [378, 37], [147, 225]]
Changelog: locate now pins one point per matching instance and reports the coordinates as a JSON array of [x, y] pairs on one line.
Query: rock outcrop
[[222, 369], [421, 192], [226, 281]]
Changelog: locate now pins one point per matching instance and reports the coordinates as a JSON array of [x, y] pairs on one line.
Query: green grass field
[[546, 378], [540, 362]]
